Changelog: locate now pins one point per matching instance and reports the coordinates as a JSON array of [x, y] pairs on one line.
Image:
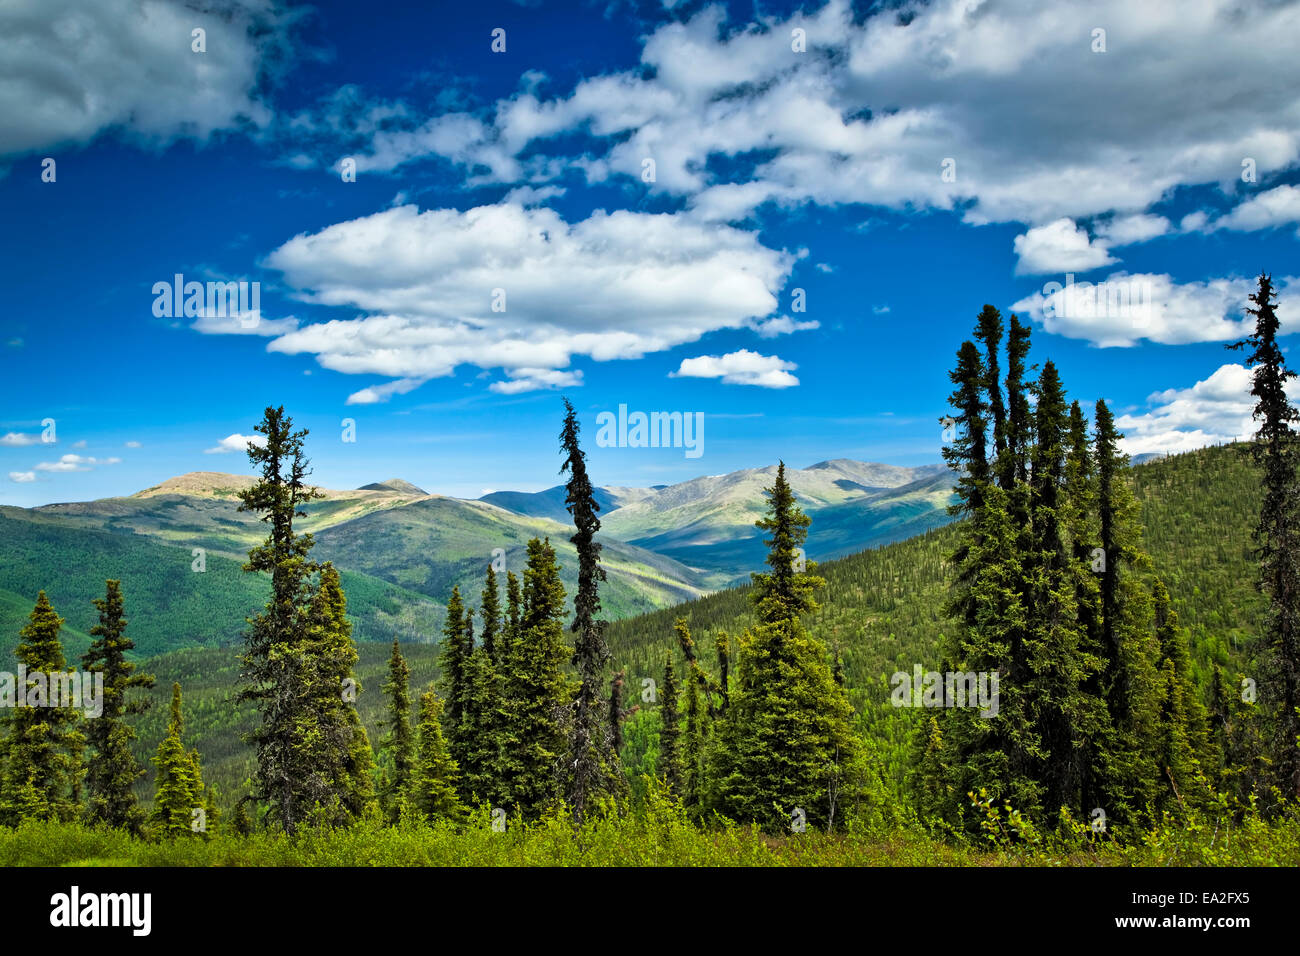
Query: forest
[[1140, 627]]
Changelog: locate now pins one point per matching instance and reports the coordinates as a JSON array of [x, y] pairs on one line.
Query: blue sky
[[910, 163]]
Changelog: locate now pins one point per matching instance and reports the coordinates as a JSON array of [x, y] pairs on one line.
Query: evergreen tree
[[1058, 663], [433, 785], [1276, 450], [112, 768], [670, 756], [594, 766], [785, 742], [536, 693], [616, 712], [178, 782], [397, 744], [1184, 741], [477, 750], [490, 616], [43, 748], [452, 663], [274, 670], [335, 749]]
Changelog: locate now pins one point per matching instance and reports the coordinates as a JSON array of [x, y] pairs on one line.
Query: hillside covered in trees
[[1094, 659]]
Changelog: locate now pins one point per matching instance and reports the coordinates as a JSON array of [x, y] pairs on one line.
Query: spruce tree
[[453, 661], [1059, 665], [111, 769], [43, 748], [274, 672], [490, 616], [178, 783], [336, 752], [593, 761], [433, 785], [1185, 751], [785, 743], [477, 750], [397, 745], [537, 698], [1276, 450], [670, 756]]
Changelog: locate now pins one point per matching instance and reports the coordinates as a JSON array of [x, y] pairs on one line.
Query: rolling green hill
[[400, 551]]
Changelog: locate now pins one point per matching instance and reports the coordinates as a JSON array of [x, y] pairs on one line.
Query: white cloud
[[1059, 246], [235, 442], [74, 70], [243, 323], [612, 286], [76, 463], [533, 379], [1276, 207], [1214, 411], [19, 439], [22, 476], [1158, 310], [131, 444], [783, 325], [740, 368], [1040, 127], [1126, 230]]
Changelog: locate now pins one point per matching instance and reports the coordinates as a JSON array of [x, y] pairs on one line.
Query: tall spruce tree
[[477, 752], [670, 754], [41, 777], [274, 670], [533, 738], [397, 746], [1276, 450], [433, 786], [489, 615], [785, 743], [454, 667], [594, 769], [178, 784], [111, 768], [336, 752]]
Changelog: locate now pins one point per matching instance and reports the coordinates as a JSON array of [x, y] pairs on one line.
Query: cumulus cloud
[[73, 69], [1213, 411], [740, 368], [243, 323], [19, 439], [1038, 126], [131, 444], [520, 289], [1268, 210], [22, 476], [1059, 246], [1126, 230], [76, 463], [1124, 309], [235, 442]]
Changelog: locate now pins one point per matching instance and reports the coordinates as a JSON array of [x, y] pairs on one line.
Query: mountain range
[[178, 546]]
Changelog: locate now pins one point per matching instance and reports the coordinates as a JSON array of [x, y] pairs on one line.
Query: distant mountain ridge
[[708, 522], [402, 550]]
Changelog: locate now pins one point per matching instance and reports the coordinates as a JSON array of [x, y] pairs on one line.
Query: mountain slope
[[708, 522]]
